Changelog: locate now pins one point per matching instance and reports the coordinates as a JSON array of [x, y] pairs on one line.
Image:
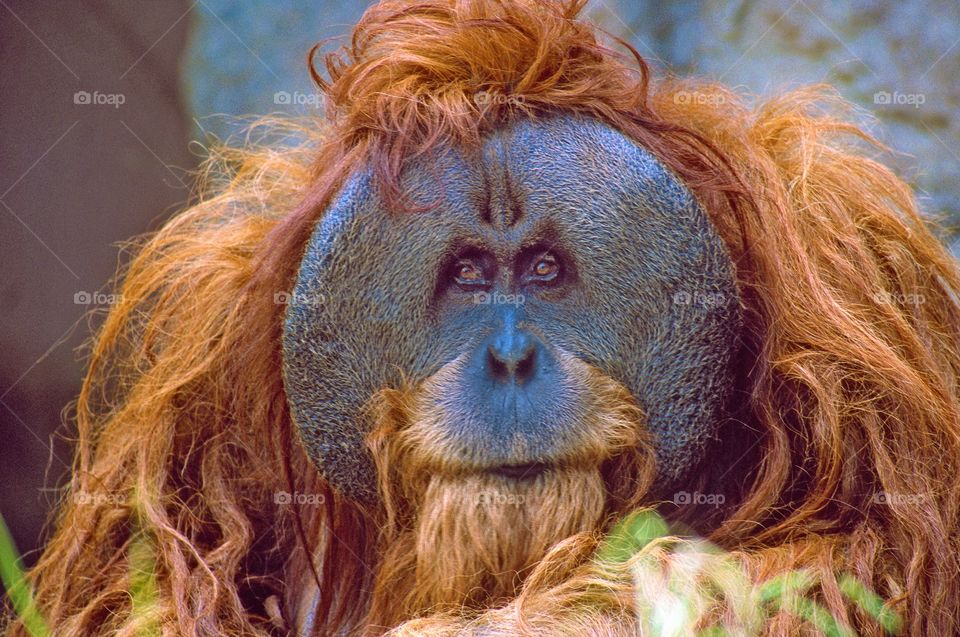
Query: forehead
[[559, 180], [570, 170]]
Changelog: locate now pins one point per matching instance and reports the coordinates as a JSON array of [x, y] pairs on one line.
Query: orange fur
[[852, 324]]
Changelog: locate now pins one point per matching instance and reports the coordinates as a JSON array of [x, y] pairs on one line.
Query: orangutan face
[[556, 259], [559, 301]]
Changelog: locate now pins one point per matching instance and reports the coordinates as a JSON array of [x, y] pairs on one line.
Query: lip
[[524, 471]]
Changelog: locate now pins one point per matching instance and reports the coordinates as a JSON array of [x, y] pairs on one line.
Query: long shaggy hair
[[849, 378]]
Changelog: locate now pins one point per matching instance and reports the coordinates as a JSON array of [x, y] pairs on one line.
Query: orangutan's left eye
[[545, 268]]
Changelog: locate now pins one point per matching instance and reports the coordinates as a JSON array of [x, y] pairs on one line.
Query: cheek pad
[[658, 290], [663, 309], [355, 320]]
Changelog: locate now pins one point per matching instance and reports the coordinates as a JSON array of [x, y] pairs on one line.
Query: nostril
[[498, 368], [525, 366], [520, 367]]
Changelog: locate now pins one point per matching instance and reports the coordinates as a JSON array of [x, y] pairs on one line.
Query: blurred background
[[102, 99]]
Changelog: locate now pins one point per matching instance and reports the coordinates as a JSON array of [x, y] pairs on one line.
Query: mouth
[[521, 472]]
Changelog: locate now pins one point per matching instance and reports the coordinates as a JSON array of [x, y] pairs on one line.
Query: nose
[[515, 393], [512, 356]]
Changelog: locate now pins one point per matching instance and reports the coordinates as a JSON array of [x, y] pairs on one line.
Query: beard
[[457, 539]]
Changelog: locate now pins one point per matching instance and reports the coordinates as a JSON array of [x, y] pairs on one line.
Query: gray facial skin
[[646, 293]]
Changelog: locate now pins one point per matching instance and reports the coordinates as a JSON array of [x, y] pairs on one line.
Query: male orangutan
[[409, 375]]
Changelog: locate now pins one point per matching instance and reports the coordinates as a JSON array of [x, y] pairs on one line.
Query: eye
[[468, 272], [545, 267]]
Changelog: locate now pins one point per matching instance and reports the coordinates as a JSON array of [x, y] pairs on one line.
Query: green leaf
[[871, 603], [18, 588], [631, 534]]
